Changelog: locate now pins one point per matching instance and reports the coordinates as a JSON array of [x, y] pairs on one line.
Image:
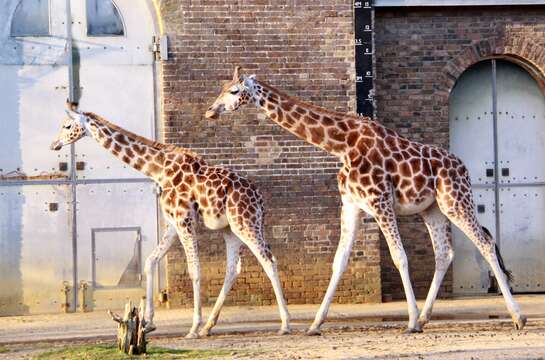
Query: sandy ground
[[469, 329], [448, 340], [445, 340]]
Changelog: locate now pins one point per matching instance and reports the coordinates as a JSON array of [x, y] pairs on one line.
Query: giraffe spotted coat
[[190, 189], [384, 175]]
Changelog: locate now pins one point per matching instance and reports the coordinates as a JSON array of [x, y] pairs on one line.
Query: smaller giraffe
[[190, 188]]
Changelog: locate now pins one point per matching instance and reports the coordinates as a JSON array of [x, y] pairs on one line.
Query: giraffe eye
[[67, 126], [234, 91]]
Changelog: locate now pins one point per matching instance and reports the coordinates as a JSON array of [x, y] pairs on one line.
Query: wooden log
[[131, 329]]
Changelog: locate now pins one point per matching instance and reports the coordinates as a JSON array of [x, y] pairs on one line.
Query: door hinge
[[160, 47]]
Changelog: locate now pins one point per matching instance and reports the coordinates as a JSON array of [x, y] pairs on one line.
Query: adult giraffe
[[385, 175], [190, 187]]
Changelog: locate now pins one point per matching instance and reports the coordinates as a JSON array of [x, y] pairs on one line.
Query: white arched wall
[[118, 78]]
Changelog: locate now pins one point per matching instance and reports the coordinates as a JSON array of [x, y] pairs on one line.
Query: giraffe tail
[[508, 273]]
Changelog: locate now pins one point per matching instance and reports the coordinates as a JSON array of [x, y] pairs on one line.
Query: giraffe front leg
[[349, 225], [149, 269], [437, 225], [191, 249], [233, 268]]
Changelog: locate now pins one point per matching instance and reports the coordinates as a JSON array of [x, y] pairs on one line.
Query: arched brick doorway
[[497, 126]]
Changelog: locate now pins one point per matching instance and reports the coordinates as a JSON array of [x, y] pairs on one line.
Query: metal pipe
[[72, 98], [77, 181], [496, 156]]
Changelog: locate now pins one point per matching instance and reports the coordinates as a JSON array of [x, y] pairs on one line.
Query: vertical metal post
[[496, 156], [72, 98], [157, 127], [70, 60]]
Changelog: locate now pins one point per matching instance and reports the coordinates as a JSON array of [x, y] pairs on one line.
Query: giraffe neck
[[329, 130], [145, 155]]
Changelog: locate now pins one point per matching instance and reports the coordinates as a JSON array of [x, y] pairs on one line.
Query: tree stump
[[131, 332]]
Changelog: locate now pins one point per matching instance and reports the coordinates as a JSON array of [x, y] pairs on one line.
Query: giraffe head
[[235, 93], [73, 128]]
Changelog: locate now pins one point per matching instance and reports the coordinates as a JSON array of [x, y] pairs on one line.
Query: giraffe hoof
[[414, 330], [204, 333], [192, 335], [420, 324], [313, 332], [520, 322], [149, 328], [285, 331]]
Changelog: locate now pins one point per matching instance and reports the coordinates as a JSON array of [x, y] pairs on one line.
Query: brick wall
[[420, 52], [306, 49]]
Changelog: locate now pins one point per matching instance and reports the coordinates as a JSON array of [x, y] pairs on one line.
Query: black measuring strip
[[363, 31]]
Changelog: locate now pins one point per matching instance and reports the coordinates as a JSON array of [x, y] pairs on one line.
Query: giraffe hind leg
[[252, 236], [508, 273], [467, 222]]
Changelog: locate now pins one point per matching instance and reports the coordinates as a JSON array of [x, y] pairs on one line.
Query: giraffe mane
[[310, 106], [152, 143]]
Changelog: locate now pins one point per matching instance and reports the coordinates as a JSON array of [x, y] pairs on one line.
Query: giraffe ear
[[72, 106], [73, 114], [236, 73], [70, 114]]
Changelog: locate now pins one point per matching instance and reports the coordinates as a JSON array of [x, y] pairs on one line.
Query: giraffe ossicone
[[384, 175], [190, 189]]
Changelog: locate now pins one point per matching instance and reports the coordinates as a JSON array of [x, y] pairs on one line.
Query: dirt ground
[[465, 328], [445, 340]]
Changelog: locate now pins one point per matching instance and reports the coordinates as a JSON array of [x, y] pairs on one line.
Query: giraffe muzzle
[[211, 114], [56, 145]]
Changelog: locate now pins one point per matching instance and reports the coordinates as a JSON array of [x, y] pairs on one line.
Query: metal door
[[114, 75], [58, 221], [521, 152], [497, 126], [471, 138], [115, 234]]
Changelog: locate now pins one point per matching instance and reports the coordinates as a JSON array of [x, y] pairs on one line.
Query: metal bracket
[[66, 291], [160, 47], [163, 296], [85, 296]]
